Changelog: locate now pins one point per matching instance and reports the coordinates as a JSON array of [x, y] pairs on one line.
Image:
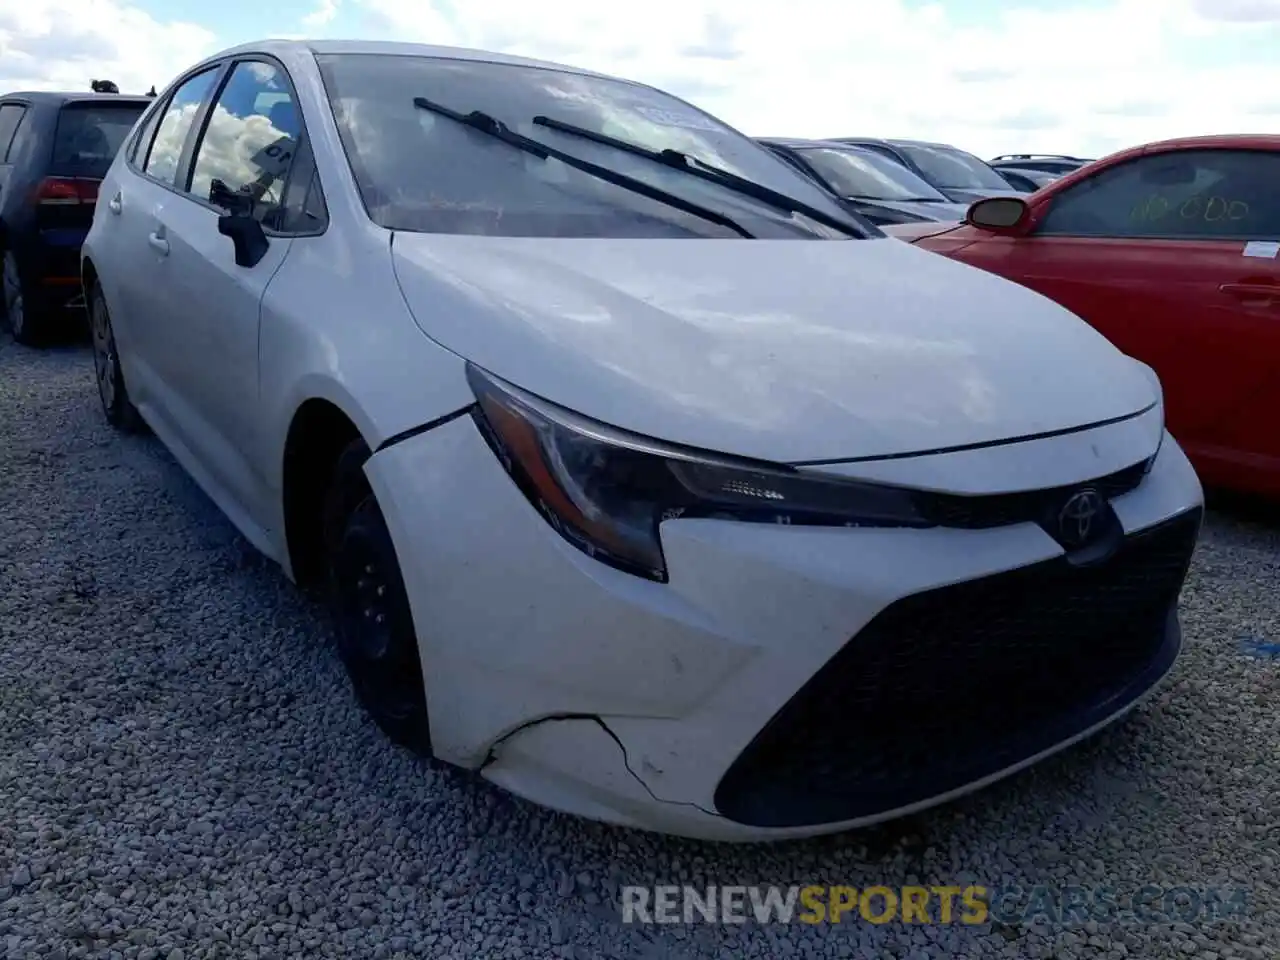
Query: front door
[[239, 165]]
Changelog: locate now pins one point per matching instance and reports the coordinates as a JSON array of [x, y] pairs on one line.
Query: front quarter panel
[[335, 327]]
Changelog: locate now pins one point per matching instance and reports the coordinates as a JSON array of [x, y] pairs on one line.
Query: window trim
[[25, 106], [186, 166], [1045, 209]]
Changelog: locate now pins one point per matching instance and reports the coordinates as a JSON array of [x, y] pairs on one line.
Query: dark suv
[[55, 148]]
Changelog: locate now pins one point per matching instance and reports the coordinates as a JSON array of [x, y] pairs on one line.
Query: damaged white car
[[644, 479]]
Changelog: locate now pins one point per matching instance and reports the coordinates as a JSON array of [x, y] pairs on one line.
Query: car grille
[[1032, 506], [946, 687]]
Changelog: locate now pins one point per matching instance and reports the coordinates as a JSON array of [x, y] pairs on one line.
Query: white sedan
[[644, 480]]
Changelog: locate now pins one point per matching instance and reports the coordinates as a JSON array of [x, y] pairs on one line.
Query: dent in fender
[[494, 755]]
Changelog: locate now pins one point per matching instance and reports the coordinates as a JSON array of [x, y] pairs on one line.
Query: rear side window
[[165, 152], [10, 117], [89, 135]]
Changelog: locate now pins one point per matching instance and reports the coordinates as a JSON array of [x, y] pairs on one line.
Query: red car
[[1172, 251]]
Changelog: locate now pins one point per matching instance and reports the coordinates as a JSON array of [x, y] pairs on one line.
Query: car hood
[[934, 211], [911, 232], [966, 196], [785, 350]]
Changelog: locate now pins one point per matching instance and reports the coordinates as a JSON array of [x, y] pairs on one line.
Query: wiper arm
[[491, 126], [682, 161]]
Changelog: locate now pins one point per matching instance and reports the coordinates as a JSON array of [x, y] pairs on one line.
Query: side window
[[10, 117], [165, 152], [146, 133], [243, 160], [1187, 195]]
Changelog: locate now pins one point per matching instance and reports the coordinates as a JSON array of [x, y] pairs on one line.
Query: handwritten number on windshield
[[1212, 209]]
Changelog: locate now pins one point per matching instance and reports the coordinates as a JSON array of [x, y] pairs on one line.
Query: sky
[[1082, 77]]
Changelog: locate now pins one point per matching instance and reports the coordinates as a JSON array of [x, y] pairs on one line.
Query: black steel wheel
[[376, 638]]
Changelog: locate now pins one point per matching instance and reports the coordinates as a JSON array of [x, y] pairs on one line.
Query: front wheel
[[377, 642]]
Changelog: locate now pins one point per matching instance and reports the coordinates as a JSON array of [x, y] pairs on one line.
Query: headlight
[[606, 490]]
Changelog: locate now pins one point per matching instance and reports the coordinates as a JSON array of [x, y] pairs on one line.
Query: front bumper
[[731, 702]]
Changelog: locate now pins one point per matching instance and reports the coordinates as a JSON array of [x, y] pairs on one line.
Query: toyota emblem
[[1080, 518]]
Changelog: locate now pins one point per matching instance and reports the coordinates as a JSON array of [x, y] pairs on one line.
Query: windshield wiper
[[682, 161], [486, 124]]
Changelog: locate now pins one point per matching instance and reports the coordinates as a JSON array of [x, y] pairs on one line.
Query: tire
[[116, 405], [22, 312], [376, 639]]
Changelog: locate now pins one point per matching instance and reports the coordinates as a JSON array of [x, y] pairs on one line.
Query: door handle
[[1252, 291], [159, 244], [115, 206]]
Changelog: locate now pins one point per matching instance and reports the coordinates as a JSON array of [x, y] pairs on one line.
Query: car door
[[1171, 256], [131, 264], [239, 165]]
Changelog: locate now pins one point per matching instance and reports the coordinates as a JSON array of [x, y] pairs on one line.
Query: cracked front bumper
[[664, 687]]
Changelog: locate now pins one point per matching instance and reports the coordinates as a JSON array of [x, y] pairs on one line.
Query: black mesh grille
[[1033, 506], [946, 687]]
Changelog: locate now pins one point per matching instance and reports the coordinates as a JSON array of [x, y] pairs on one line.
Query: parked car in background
[[1027, 181], [1057, 164], [643, 478], [871, 185], [1171, 251], [957, 174], [55, 149]]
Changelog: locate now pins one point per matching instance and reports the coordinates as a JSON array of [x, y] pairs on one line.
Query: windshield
[[949, 167], [88, 136], [857, 173], [419, 171]]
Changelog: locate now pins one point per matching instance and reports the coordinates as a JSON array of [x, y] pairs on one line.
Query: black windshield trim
[[491, 126], [676, 160]]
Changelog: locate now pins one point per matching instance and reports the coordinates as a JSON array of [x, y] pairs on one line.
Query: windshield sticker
[[683, 119], [1267, 249]]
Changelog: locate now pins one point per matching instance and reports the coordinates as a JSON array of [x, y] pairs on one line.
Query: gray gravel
[[184, 772]]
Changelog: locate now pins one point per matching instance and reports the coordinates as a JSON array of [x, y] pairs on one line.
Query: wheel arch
[[319, 431]]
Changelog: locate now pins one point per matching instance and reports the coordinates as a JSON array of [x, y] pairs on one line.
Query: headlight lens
[[606, 491]]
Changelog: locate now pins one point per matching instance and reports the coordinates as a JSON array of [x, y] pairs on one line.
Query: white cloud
[[1085, 76], [63, 44], [324, 13], [1078, 77]]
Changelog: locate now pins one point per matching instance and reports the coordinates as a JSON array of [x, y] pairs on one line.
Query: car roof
[[897, 141], [47, 97], [1254, 141], [1220, 141], [799, 142], [393, 48]]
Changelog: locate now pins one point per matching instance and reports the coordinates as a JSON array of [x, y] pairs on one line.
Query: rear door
[[136, 272], [1172, 256]]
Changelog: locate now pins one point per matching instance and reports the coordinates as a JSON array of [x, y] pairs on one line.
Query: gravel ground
[[184, 772]]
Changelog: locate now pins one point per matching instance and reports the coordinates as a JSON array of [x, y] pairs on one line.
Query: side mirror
[[1002, 214], [246, 233]]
